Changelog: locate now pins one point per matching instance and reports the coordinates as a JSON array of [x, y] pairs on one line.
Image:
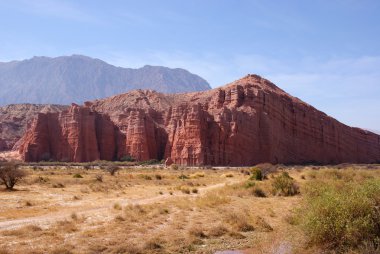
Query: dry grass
[[160, 211]]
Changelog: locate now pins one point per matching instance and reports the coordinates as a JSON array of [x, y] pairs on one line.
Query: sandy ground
[[97, 212]]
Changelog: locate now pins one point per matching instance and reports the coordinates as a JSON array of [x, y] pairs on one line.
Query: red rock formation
[[246, 122], [16, 118], [77, 134]]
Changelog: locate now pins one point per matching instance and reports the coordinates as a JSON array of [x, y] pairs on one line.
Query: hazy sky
[[325, 52]]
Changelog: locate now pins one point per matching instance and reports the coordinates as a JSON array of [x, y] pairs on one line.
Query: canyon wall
[[77, 134], [247, 122]]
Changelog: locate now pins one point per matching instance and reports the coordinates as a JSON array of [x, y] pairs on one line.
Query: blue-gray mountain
[[77, 78]]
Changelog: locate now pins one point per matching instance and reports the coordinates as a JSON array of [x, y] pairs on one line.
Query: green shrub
[[342, 217], [249, 184], [284, 185], [174, 167], [256, 174]]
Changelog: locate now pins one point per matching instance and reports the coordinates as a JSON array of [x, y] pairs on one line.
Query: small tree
[[10, 174], [112, 169]]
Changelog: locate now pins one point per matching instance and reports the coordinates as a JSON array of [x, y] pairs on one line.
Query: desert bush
[[77, 176], [262, 225], [158, 177], [266, 168], [119, 218], [74, 216], [197, 231], [10, 174], [197, 175], [194, 190], [185, 189], [256, 174], [99, 178], [146, 177], [41, 179], [217, 231], [134, 213], [23, 231], [150, 162], [238, 221], [228, 175], [65, 226], [258, 192], [112, 169], [87, 166], [183, 176], [174, 167], [342, 217], [58, 185], [284, 185], [127, 158], [212, 199], [153, 244], [117, 206], [249, 184]]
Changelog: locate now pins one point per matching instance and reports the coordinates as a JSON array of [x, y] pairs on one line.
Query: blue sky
[[325, 52]]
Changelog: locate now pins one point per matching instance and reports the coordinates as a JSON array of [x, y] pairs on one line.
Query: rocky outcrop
[[16, 118], [77, 134], [247, 122]]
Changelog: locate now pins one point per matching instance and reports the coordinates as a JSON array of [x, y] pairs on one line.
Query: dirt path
[[98, 213]]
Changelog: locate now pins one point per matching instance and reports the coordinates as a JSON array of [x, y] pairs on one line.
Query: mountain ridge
[[78, 78]]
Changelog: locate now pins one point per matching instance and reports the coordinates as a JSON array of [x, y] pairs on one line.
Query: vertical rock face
[[246, 122], [78, 135], [15, 119]]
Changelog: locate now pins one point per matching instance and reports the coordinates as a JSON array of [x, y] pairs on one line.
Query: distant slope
[[77, 78]]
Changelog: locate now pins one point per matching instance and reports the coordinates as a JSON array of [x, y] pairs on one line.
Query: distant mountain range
[[78, 78]]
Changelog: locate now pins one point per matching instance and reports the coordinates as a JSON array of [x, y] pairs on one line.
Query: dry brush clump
[[212, 200], [10, 174], [284, 185], [239, 221], [342, 216]]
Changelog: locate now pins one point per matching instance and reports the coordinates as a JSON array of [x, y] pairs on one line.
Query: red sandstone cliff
[[15, 119], [246, 122], [77, 134]]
